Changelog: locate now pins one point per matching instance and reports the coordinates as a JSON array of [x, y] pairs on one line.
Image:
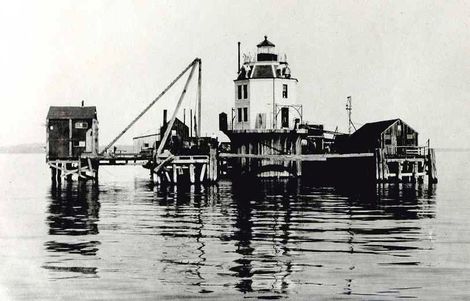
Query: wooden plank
[[405, 159], [309, 157]]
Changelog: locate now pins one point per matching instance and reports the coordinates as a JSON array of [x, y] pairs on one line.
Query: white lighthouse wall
[[241, 103], [261, 100], [290, 100]]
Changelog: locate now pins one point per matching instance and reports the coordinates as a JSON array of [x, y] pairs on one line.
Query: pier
[[267, 140]]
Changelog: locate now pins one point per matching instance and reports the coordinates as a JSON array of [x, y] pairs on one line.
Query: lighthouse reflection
[[283, 229], [263, 238]]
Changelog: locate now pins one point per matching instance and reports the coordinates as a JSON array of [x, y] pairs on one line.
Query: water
[[269, 240]]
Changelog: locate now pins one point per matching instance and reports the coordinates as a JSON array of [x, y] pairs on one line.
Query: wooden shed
[[393, 135], [71, 131]]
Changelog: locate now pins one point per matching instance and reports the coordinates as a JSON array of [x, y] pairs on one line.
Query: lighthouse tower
[[265, 92]]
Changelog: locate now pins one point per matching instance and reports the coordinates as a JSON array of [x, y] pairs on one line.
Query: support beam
[[170, 124], [149, 106], [199, 83]]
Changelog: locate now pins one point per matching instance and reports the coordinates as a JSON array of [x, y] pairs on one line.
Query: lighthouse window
[[284, 91], [239, 94], [239, 114], [245, 114], [245, 91]]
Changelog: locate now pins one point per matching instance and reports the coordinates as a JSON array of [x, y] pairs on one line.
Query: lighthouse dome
[[266, 51]]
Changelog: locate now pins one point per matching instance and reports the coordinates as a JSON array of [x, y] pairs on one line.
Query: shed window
[[239, 94], [284, 91], [81, 125], [245, 91], [245, 114], [239, 114]]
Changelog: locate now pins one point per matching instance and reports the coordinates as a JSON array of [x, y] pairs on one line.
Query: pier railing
[[405, 151]]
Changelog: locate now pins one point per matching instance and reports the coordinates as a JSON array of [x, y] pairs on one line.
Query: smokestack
[[83, 103], [190, 122], [164, 116], [238, 57]]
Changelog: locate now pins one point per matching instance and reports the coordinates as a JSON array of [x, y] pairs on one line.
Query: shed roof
[[373, 129], [369, 133], [265, 43], [72, 112]]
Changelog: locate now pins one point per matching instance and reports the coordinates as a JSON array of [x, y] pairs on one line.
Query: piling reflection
[[298, 220], [267, 236], [74, 210], [263, 238], [73, 213]]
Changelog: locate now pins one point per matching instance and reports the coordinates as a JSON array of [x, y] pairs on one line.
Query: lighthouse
[[265, 92]]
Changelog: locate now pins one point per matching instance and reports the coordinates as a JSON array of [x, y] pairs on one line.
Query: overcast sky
[[405, 59]]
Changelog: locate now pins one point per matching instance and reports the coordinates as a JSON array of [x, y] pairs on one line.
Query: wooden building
[[72, 142], [394, 136], [71, 131]]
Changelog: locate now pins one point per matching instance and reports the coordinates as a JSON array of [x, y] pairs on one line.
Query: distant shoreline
[[40, 148]]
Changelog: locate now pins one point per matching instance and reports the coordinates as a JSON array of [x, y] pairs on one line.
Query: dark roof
[[72, 113], [369, 133], [265, 43], [263, 71], [373, 129]]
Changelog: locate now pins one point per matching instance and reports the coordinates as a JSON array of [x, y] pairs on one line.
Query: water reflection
[[260, 238], [73, 213], [74, 210]]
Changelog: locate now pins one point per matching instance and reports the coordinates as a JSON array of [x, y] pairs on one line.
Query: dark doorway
[[285, 117]]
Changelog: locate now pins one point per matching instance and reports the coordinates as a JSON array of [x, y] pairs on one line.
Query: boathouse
[[394, 136], [71, 131]]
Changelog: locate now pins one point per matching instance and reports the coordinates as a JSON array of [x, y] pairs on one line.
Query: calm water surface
[[268, 240]]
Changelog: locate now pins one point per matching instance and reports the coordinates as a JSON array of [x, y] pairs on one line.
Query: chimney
[[238, 58], [83, 103], [164, 116]]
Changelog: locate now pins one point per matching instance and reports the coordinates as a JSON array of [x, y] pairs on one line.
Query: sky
[[397, 59]]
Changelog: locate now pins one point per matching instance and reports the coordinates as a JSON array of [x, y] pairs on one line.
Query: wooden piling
[[59, 173], [432, 171], [414, 171], [399, 171], [203, 173], [378, 166], [192, 177], [213, 165], [54, 175], [175, 174], [68, 166]]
